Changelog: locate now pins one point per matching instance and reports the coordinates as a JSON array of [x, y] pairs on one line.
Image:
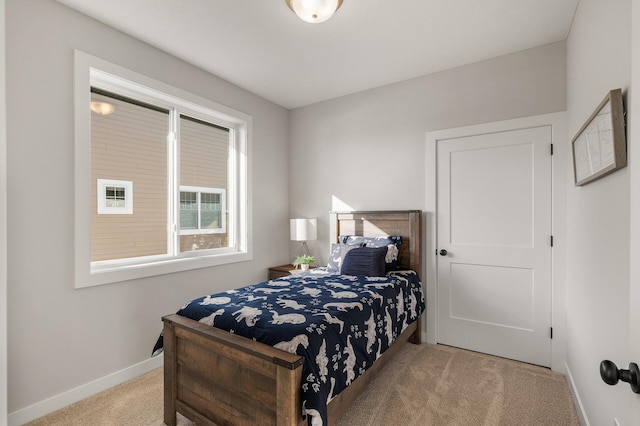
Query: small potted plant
[[304, 261]]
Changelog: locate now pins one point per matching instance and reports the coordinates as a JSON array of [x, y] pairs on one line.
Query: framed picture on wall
[[599, 147]]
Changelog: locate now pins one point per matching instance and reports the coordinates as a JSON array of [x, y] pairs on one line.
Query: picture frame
[[600, 148]]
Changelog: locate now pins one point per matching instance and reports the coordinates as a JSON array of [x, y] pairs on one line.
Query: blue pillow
[[394, 241], [338, 252], [367, 261]]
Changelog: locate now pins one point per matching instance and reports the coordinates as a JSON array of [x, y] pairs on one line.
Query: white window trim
[[90, 70], [101, 190]]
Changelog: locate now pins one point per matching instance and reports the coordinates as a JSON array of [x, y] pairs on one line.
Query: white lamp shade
[[304, 229]]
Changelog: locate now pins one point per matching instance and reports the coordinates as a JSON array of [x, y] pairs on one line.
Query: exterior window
[[188, 162], [202, 210], [114, 196]]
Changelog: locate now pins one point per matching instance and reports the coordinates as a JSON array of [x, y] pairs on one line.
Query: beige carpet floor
[[423, 385]]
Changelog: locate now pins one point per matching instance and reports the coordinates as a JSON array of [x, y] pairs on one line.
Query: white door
[[494, 243]]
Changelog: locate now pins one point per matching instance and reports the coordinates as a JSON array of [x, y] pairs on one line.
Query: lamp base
[[304, 251]]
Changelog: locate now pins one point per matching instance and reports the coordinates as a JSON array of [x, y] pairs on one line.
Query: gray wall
[[58, 337], [598, 222], [368, 149]]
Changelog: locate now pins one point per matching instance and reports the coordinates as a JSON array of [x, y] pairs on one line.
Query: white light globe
[[314, 11]]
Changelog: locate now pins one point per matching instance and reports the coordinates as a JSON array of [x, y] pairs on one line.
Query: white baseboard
[[69, 397], [582, 415]]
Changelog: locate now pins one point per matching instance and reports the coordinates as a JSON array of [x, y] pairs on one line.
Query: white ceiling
[[262, 46]]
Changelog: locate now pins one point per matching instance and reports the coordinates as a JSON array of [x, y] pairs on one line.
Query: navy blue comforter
[[340, 324]]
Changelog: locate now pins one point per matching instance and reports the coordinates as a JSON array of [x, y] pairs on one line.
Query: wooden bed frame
[[213, 377]]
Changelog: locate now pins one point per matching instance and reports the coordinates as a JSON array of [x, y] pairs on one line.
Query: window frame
[[92, 71]]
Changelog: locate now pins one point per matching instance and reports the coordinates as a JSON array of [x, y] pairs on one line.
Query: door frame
[[633, 121], [559, 167], [3, 224]]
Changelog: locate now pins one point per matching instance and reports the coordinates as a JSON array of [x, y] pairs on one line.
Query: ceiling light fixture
[[102, 108], [314, 11]]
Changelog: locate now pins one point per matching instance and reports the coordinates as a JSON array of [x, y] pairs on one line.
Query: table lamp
[[304, 230]]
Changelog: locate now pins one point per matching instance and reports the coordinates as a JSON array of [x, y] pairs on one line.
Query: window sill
[[117, 273]]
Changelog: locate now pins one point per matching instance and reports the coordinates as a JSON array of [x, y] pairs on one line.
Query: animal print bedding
[[340, 324]]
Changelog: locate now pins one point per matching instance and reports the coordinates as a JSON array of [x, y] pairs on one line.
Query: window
[[187, 158], [201, 210], [114, 196]]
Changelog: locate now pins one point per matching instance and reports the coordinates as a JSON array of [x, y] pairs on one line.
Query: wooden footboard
[[214, 377]]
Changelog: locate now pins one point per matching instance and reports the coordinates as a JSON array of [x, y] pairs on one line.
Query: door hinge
[[551, 149], [552, 332], [551, 241]]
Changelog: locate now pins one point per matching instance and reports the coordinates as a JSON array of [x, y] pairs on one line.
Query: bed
[[215, 375]]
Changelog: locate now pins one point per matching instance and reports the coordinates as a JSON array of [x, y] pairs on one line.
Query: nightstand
[[280, 271]]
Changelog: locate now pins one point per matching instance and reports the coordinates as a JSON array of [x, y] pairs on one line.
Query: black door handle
[[443, 252], [611, 375]]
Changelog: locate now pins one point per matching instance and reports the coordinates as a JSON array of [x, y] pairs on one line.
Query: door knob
[[443, 252], [611, 374]]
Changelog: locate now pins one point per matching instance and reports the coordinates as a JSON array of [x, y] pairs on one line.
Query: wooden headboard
[[406, 223]]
